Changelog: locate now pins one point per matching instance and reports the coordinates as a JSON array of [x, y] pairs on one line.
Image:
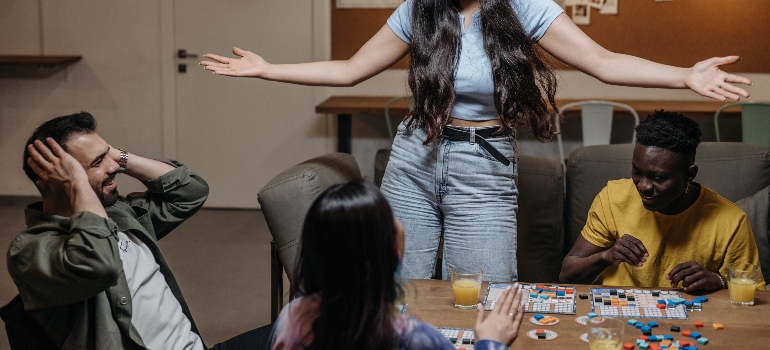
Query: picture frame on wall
[[581, 14], [349, 4]]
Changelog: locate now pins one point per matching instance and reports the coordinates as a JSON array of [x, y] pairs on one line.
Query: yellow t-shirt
[[712, 232]]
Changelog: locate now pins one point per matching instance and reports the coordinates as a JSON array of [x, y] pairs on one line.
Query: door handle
[[182, 53]]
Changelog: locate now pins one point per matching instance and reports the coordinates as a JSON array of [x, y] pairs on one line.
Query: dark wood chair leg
[[276, 283]]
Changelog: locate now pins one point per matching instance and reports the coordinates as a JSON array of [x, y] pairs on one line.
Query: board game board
[[637, 303], [461, 338], [540, 298]]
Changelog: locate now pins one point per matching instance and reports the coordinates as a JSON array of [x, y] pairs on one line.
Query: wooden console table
[[346, 106]]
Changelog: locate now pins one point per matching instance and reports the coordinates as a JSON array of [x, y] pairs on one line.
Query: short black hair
[[670, 130], [59, 129]]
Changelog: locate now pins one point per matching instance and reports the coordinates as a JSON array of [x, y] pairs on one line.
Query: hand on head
[[707, 79], [693, 277], [248, 65], [627, 249], [58, 171], [502, 323]]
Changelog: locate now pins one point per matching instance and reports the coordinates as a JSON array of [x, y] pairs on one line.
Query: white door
[[238, 133]]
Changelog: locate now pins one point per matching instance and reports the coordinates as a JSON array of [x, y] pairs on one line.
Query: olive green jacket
[[69, 273]]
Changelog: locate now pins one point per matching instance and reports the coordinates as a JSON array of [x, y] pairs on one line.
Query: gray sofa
[[548, 221]]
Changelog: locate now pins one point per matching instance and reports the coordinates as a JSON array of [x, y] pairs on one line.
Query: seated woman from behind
[[350, 250]]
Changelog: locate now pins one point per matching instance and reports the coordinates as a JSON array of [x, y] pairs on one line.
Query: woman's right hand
[[502, 323], [248, 65]]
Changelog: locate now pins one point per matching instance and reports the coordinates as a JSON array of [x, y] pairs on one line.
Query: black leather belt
[[479, 137]]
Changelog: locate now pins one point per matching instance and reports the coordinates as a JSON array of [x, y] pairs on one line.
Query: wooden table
[[745, 327], [346, 106]]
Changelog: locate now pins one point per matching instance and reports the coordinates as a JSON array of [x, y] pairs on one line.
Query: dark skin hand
[[627, 249], [585, 261], [694, 277]]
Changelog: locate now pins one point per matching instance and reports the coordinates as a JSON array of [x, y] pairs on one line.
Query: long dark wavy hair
[[348, 256], [524, 83]]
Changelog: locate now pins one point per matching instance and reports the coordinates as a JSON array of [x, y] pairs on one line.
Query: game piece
[[644, 346], [592, 315], [538, 317], [632, 322], [684, 343], [583, 296], [652, 324], [675, 328], [639, 325], [703, 341], [698, 324], [655, 293], [646, 330], [549, 334], [690, 348], [686, 333], [718, 326], [665, 342], [544, 320], [668, 337], [543, 299], [694, 335], [644, 337], [628, 346]]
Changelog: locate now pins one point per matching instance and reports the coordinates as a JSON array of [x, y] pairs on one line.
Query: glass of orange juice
[[742, 280], [466, 283], [605, 333]]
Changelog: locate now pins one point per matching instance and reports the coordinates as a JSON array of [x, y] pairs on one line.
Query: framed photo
[[597, 4], [349, 4], [581, 14], [610, 7]]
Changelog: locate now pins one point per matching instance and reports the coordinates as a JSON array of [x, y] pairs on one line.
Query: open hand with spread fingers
[[502, 323], [707, 79], [248, 64]]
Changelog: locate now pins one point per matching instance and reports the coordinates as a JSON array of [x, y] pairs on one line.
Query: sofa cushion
[[734, 170], [540, 219], [757, 208]]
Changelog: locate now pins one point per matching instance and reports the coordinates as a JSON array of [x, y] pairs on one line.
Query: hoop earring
[[687, 187]]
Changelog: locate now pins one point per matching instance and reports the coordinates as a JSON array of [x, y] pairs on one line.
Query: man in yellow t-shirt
[[659, 228]]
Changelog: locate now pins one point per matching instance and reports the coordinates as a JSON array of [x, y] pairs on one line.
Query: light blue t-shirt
[[474, 87]]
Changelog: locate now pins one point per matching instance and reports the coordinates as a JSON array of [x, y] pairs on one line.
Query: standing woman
[[475, 74], [349, 252]]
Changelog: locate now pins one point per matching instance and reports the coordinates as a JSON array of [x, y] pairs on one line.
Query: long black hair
[[348, 256], [524, 83]]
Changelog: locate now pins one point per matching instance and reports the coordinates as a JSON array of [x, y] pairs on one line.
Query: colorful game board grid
[[545, 299], [461, 338], [637, 303]]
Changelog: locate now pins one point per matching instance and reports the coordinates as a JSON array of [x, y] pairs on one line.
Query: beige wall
[[121, 82]]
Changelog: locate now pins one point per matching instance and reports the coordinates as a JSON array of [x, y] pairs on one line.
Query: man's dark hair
[[670, 130], [59, 129]]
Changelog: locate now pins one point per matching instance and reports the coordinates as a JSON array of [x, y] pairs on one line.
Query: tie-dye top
[[293, 330]]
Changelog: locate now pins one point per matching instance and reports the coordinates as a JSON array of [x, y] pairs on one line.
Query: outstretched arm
[[565, 41], [381, 51]]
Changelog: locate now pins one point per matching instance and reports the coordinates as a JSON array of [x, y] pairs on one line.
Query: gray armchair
[[285, 201]]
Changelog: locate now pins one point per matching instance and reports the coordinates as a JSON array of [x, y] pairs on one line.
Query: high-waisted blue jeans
[[458, 188]]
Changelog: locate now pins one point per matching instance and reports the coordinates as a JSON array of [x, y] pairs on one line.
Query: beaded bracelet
[[721, 281]]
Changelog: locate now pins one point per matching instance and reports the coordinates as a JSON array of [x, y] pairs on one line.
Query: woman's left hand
[[707, 79]]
